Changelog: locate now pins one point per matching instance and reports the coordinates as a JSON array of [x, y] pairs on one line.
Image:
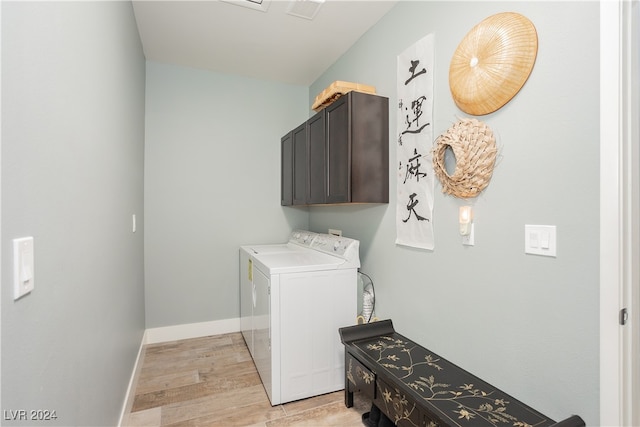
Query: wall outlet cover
[[469, 239], [23, 267]]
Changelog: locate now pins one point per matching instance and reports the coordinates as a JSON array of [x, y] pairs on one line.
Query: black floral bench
[[413, 386]]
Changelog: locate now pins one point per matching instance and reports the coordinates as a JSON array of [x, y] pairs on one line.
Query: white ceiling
[[273, 45]]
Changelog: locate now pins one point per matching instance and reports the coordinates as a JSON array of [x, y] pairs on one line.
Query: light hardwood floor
[[212, 381]]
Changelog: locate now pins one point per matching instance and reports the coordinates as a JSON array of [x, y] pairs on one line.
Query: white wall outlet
[[540, 240], [469, 239], [23, 267], [335, 232]]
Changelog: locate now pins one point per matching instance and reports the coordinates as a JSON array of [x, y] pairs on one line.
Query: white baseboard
[[128, 398], [191, 330], [173, 333]]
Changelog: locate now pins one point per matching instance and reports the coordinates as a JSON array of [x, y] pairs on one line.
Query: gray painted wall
[[212, 183], [527, 324], [72, 169]]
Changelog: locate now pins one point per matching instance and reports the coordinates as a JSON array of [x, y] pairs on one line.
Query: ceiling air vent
[[304, 8], [261, 5]]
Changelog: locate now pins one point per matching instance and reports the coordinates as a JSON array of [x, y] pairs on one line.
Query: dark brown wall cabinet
[[340, 155]]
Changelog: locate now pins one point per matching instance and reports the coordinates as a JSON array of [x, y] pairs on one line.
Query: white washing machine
[[299, 298]]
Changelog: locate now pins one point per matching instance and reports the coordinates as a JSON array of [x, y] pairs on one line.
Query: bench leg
[[348, 395]]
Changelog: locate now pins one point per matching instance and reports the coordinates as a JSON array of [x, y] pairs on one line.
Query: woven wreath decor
[[474, 147]]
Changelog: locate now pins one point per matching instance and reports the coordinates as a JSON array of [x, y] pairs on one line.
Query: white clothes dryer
[[299, 300]]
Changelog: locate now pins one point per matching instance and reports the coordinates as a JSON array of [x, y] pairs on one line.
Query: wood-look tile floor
[[212, 381]]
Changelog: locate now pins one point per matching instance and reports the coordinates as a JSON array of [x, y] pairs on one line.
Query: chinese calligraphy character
[[413, 167], [411, 208], [414, 65], [416, 110]]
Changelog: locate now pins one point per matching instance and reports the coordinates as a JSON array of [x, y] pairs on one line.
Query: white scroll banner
[[415, 177]]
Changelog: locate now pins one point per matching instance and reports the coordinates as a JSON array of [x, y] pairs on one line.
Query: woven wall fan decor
[[474, 146], [492, 63]]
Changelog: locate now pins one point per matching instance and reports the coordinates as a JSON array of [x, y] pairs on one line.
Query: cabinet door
[[400, 408], [360, 377], [317, 155], [286, 166], [300, 165], [338, 124], [369, 130]]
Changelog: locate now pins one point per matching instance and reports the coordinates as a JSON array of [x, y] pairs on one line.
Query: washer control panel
[[302, 237], [341, 246]]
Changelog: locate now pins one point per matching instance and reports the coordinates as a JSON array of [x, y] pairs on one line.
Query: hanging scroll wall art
[[415, 178]]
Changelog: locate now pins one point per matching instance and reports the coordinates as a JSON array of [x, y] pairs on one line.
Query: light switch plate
[[540, 240], [23, 267]]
